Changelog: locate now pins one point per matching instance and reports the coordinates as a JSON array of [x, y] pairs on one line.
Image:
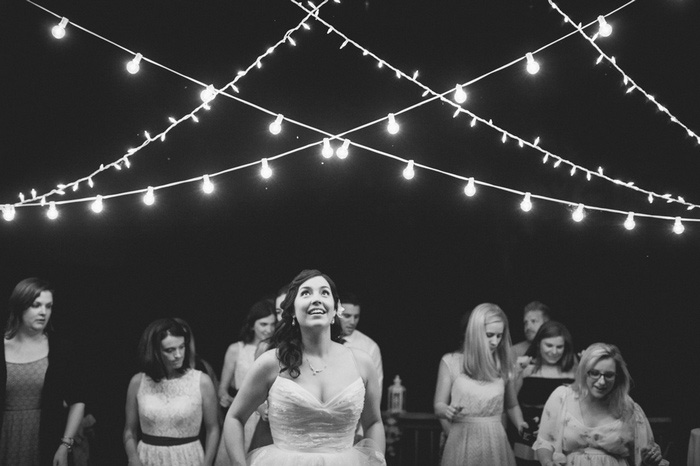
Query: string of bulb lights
[[604, 31], [341, 152]]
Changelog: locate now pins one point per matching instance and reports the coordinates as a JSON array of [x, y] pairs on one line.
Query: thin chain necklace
[[315, 371]]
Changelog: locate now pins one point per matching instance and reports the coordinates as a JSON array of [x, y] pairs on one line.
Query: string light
[[208, 94], [532, 66], [265, 170], [207, 185], [470, 188], [629, 222], [342, 151], [149, 198], [526, 204], [578, 213], [276, 126], [460, 95], [132, 65], [327, 151], [52, 213], [392, 126], [604, 29], [408, 172], [59, 30], [8, 212], [97, 206], [678, 227]]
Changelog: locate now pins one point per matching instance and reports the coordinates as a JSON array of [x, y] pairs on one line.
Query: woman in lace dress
[[317, 389], [594, 422], [472, 389], [38, 376], [167, 402]]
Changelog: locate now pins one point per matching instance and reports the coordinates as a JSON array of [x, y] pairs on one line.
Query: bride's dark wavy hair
[[287, 337]]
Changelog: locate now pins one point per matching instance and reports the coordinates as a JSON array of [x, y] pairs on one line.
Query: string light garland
[[604, 31], [9, 210]]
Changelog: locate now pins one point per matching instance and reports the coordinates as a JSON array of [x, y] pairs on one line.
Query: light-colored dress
[[563, 432], [171, 408], [19, 438], [307, 432], [477, 436]]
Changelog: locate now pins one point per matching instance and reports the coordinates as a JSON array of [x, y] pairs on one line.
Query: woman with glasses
[[594, 422]]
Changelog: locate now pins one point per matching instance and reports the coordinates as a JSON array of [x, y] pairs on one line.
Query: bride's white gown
[[307, 432]]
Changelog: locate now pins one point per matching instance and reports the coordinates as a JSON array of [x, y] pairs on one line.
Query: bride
[[316, 388]]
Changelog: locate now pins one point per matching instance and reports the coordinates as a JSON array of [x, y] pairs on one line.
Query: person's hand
[[449, 412], [651, 455], [225, 400], [524, 361], [262, 411], [61, 456], [521, 427]]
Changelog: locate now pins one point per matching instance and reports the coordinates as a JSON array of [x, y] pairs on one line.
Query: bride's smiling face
[[314, 305]]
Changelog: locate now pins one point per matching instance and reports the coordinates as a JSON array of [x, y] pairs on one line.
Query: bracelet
[[68, 446], [68, 442]]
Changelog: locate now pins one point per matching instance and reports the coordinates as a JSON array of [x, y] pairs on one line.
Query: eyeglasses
[[595, 375]]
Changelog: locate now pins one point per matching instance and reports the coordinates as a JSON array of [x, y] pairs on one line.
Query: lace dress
[[563, 432], [307, 432], [171, 408], [477, 436], [19, 439]]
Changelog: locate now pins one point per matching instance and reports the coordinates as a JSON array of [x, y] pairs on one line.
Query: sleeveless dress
[[171, 408], [19, 438], [617, 443], [307, 432], [477, 436]]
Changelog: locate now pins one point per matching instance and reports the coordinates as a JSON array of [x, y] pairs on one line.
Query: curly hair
[[21, 299], [287, 337], [149, 349]]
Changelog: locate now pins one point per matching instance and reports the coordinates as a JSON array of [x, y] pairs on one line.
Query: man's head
[[351, 313], [534, 315]]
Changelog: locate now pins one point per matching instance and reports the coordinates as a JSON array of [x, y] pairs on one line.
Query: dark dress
[[532, 397], [62, 382]]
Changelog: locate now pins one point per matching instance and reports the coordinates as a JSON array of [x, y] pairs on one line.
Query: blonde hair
[[621, 404], [479, 362]]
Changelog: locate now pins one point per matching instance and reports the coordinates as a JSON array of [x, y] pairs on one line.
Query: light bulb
[[392, 126], [460, 95], [265, 170], [276, 126], [526, 205], [629, 221], [532, 66], [327, 151], [578, 213], [52, 213], [208, 94], [470, 188], [408, 172], [59, 30], [8, 212], [133, 65], [207, 185], [342, 151], [97, 205], [604, 29], [678, 227], [473, 123], [149, 198]]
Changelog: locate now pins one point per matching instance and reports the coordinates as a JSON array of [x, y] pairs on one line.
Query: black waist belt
[[167, 441]]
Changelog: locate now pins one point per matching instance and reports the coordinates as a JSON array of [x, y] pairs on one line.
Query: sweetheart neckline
[[314, 396]]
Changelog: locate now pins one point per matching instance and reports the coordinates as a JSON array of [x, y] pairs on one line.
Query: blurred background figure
[[534, 315], [40, 373], [594, 421], [167, 403], [553, 364]]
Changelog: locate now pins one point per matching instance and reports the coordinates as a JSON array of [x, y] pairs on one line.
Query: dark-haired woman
[[317, 389], [40, 374], [553, 364], [167, 402]]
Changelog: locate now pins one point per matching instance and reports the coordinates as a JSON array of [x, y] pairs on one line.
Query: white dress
[[307, 432], [171, 408]]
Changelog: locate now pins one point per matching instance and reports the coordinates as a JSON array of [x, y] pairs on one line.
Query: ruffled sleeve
[[643, 435], [551, 430]]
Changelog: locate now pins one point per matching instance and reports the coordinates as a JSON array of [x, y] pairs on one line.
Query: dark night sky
[[420, 253]]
